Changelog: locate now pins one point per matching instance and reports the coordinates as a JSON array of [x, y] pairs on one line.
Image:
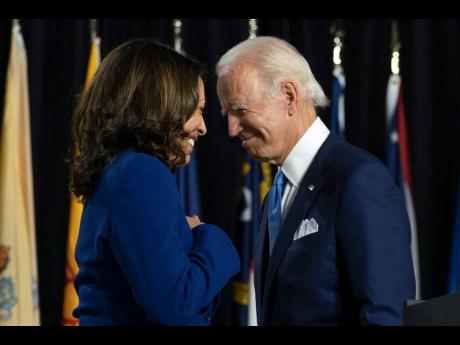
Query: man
[[334, 242]]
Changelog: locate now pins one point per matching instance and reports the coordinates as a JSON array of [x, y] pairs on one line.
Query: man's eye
[[234, 112], [241, 112]]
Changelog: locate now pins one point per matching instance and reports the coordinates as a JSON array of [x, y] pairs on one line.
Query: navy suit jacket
[[357, 269], [139, 262]]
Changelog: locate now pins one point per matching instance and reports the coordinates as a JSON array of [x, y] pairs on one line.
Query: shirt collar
[[299, 159]]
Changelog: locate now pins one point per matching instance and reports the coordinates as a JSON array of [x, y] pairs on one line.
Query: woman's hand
[[193, 221]]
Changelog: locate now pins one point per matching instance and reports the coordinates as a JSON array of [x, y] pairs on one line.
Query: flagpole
[[337, 121], [253, 28], [93, 28], [395, 46], [398, 148], [338, 34], [177, 26]]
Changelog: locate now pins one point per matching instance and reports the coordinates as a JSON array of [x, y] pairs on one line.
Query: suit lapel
[[300, 205]]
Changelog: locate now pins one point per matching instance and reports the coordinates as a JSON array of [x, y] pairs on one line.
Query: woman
[[141, 260]]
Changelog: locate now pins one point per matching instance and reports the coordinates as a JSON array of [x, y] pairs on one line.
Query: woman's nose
[[202, 128]]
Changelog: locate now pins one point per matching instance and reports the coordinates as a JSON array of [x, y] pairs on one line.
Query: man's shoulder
[[341, 154], [352, 156], [349, 160]]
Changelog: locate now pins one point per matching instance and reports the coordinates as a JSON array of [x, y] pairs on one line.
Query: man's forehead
[[240, 83], [242, 93]]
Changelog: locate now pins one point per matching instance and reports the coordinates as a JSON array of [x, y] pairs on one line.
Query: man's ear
[[290, 93]]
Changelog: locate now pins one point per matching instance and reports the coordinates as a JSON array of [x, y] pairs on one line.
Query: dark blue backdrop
[[58, 52]]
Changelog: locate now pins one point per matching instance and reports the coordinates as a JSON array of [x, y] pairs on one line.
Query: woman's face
[[195, 126]]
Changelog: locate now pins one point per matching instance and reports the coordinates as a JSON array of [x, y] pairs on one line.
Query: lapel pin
[[311, 187]]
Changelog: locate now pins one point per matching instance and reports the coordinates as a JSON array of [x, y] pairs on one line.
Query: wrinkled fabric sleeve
[[174, 272]]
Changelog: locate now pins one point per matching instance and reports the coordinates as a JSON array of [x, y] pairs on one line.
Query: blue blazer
[[357, 268], [139, 262]]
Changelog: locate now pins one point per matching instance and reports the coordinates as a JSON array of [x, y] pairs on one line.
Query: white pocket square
[[307, 227]]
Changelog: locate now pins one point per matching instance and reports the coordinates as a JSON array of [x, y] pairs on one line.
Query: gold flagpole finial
[[253, 28], [339, 33], [177, 25], [395, 46], [93, 28]]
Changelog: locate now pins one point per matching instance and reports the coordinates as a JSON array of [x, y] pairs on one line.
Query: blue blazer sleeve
[[174, 272], [374, 239]]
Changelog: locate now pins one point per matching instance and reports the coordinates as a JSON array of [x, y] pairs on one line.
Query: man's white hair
[[275, 60]]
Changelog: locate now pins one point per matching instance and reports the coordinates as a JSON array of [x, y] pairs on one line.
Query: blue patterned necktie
[[275, 211]]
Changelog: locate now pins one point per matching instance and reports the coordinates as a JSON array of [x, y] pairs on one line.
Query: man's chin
[[254, 156], [258, 158]]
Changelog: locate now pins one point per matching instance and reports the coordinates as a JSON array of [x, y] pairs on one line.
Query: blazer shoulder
[[131, 159], [351, 157], [144, 166], [351, 162]]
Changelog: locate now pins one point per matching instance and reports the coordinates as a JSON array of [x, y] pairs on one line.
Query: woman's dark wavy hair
[[140, 98]]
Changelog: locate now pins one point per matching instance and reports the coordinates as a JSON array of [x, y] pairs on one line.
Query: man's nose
[[234, 126]]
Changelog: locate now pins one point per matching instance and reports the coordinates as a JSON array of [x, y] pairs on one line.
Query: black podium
[[439, 311]]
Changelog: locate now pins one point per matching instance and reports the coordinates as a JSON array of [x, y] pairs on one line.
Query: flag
[[257, 179], [19, 296], [338, 102], [398, 161], [453, 283], [187, 176], [189, 187], [76, 209]]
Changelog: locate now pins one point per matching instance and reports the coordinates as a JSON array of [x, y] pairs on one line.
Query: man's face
[[261, 123]]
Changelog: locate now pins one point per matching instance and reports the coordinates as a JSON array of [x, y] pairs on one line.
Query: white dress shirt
[[299, 159]]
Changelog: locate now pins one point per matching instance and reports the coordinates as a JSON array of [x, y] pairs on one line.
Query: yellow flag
[[18, 261], [76, 208]]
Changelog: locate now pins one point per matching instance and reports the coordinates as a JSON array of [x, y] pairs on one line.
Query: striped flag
[[189, 187], [257, 179], [398, 161], [19, 297], [338, 102], [453, 283], [76, 209]]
